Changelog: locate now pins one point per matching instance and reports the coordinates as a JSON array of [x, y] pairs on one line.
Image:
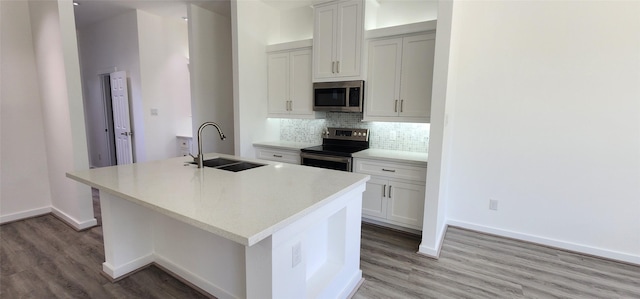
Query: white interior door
[[121, 121]]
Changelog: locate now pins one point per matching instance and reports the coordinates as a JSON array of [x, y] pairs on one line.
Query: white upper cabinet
[[290, 91], [337, 40], [399, 78]]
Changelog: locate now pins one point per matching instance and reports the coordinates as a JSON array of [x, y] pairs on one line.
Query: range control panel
[[346, 134]]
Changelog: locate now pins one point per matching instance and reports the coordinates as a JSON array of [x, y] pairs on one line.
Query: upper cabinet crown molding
[[426, 26], [300, 44], [337, 40]]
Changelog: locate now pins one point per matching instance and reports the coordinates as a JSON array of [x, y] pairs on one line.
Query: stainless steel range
[[338, 145]]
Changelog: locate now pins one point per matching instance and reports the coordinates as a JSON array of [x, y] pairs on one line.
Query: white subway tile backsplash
[[411, 137]]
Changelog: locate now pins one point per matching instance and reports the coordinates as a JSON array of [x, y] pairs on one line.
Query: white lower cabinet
[[395, 194], [278, 155]]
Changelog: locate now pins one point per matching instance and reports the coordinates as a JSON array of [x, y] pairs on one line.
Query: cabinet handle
[[278, 156], [395, 106], [338, 66], [384, 190], [401, 104], [290, 105], [388, 170], [389, 191], [333, 67]]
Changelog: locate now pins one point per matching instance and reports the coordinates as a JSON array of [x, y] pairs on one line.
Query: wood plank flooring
[[44, 258]]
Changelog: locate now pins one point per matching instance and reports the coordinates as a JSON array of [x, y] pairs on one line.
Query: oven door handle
[[346, 160]]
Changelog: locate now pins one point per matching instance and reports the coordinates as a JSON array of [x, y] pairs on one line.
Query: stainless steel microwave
[[345, 96]]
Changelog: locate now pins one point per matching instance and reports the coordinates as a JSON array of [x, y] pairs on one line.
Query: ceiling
[[93, 11]]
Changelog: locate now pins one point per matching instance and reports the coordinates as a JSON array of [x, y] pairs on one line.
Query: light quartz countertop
[[285, 145], [244, 207], [393, 156]]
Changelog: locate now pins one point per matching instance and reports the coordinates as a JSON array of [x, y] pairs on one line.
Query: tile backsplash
[[412, 137]]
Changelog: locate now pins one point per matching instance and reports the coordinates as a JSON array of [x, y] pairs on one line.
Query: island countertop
[[244, 207]]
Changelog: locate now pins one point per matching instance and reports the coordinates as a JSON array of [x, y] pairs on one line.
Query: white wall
[[254, 25], [295, 24], [442, 102], [547, 122], [164, 72], [211, 78], [54, 40], [104, 47], [25, 188]]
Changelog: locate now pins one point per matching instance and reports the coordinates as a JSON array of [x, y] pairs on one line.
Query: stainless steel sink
[[217, 162], [228, 164], [240, 166]]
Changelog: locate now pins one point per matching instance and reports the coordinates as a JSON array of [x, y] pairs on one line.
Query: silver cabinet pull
[[278, 156], [395, 106], [389, 191], [401, 104], [333, 67], [388, 170], [384, 190]]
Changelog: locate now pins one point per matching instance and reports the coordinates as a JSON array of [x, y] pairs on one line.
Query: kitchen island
[[275, 231]]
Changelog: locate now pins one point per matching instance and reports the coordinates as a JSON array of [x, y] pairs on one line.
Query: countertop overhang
[[244, 207]]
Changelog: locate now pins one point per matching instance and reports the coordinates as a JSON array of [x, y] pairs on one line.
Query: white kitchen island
[[276, 231]]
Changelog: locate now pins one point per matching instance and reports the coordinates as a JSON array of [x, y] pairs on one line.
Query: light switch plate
[[296, 254]]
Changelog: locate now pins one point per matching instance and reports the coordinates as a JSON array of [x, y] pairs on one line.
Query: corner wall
[[253, 25], [54, 40], [211, 79], [547, 122], [24, 179], [163, 49]]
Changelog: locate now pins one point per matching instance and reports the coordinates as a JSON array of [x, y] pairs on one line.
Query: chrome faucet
[[199, 158]]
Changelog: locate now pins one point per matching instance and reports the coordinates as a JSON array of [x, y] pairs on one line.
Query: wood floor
[[44, 258]]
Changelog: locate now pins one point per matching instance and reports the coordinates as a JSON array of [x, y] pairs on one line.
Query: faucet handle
[[195, 159]]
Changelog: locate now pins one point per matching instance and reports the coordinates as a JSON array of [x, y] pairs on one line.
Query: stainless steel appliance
[[338, 145], [345, 96]]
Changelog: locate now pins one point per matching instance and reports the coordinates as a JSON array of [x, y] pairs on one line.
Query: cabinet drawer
[[292, 157], [391, 170]]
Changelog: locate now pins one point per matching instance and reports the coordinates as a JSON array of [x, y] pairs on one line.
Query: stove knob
[[364, 134]]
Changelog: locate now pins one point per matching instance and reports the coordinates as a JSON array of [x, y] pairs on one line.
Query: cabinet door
[[417, 76], [349, 38], [278, 82], [301, 88], [406, 203], [374, 198], [324, 40], [383, 85]]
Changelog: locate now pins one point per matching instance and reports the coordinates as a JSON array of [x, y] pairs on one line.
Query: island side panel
[[210, 262], [127, 233], [317, 256]]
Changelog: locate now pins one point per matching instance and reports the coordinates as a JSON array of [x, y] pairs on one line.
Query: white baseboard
[[117, 272], [191, 278], [609, 254], [77, 225], [434, 252], [24, 214]]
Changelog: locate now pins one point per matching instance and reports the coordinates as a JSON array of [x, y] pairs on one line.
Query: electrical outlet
[[296, 254], [154, 111], [493, 204]]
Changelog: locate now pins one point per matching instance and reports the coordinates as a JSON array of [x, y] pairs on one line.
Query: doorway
[[105, 87]]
